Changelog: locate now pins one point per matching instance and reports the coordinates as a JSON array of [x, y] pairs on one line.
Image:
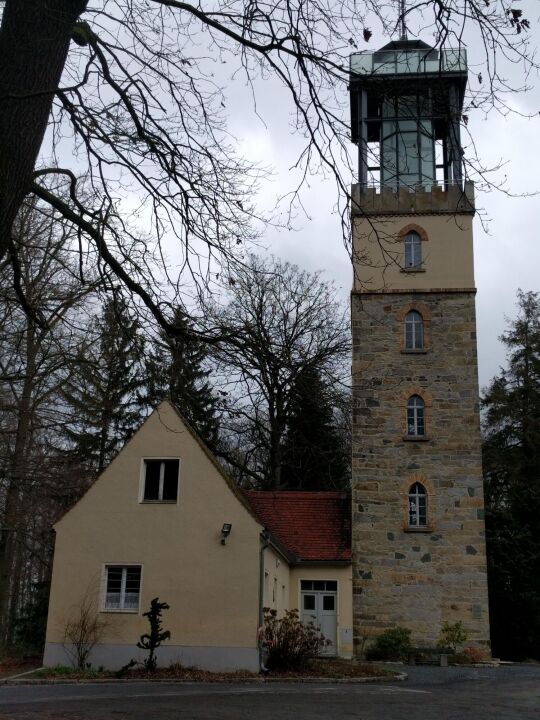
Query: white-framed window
[[160, 480], [413, 250], [414, 331], [417, 506], [415, 416], [122, 587]]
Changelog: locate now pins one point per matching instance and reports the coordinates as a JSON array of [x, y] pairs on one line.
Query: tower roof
[[406, 45]]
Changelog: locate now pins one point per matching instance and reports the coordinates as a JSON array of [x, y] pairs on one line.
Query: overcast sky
[[507, 251]]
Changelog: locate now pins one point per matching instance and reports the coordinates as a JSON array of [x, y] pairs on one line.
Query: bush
[[393, 644], [452, 635], [290, 643], [468, 656], [84, 629]]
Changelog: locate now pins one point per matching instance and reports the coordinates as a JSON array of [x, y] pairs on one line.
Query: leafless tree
[[34, 365], [135, 91], [281, 321]]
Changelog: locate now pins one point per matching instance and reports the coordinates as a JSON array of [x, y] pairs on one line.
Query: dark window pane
[[114, 579], [408, 336], [420, 421], [170, 480], [306, 585], [331, 585], [422, 510], [133, 585], [410, 422], [309, 602], [408, 255], [328, 602], [151, 479], [133, 579], [419, 336], [318, 585]]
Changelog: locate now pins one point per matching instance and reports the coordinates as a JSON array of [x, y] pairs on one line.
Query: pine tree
[[314, 451], [176, 372], [106, 393], [512, 480]]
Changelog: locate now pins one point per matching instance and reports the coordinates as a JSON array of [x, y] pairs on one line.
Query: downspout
[[265, 541]]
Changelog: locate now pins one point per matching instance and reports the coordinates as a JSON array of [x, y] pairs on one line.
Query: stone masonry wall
[[417, 579]]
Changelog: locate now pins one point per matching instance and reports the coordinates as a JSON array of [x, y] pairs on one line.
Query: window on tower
[[413, 250], [414, 331], [415, 416], [417, 506]]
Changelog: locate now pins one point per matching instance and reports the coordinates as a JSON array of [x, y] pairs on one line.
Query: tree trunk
[[275, 454], [34, 42], [14, 506]]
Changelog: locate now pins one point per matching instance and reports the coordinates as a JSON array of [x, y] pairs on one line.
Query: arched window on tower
[[417, 505], [413, 250], [415, 416], [414, 331]]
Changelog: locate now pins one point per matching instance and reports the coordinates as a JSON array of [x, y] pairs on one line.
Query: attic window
[[161, 481]]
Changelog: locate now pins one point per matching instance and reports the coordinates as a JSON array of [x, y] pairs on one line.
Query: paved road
[[509, 693]]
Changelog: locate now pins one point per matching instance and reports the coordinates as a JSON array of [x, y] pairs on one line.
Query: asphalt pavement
[[509, 693]]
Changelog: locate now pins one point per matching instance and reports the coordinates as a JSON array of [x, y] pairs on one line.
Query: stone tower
[[418, 510]]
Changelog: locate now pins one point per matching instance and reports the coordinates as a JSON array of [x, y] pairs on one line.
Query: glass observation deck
[[406, 107], [418, 61]]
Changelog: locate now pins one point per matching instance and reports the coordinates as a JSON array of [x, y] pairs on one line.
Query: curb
[[18, 680]]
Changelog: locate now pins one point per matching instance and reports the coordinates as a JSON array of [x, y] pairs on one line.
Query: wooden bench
[[430, 656]]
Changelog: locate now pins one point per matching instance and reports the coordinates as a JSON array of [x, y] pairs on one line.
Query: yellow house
[[164, 520]]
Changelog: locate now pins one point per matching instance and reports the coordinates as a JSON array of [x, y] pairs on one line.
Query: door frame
[[310, 578]]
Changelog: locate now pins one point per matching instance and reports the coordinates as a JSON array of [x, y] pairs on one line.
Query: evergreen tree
[[315, 455], [512, 480], [106, 392], [176, 372]]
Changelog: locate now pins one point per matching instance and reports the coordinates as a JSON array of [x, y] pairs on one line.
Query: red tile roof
[[312, 526]]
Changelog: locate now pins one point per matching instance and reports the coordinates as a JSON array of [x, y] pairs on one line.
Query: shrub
[[452, 635], [290, 642], [393, 644], [468, 656], [84, 629]]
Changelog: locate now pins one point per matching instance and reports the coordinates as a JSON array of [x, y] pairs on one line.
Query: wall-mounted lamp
[[225, 532]]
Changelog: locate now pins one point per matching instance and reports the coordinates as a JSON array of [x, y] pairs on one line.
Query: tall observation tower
[[418, 508]]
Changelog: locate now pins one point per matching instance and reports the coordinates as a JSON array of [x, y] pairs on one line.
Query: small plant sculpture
[[151, 641]]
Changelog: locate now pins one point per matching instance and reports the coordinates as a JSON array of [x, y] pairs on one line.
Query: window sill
[[122, 611], [424, 529], [413, 270], [416, 438], [159, 502], [414, 351]]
